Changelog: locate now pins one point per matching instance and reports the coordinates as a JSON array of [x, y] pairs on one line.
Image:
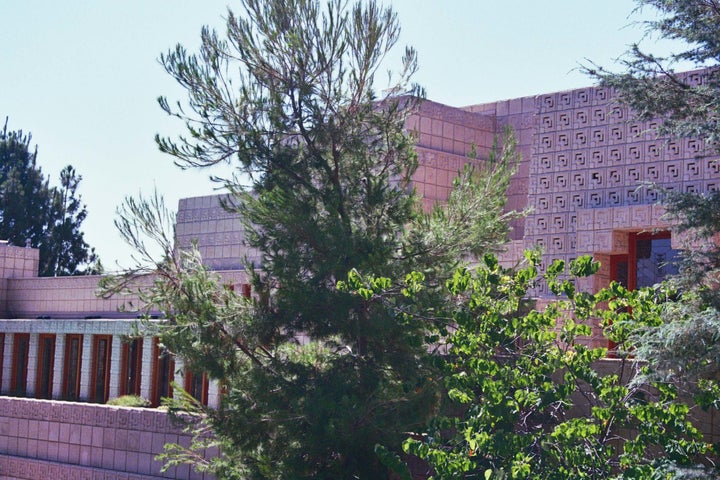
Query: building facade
[[585, 163]]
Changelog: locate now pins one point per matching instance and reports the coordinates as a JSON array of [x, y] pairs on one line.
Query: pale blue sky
[[82, 76]]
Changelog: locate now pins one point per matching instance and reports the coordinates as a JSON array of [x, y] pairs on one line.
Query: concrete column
[[86, 367], [178, 376], [213, 394], [115, 366], [32, 363], [58, 366], [7, 363], [147, 367]]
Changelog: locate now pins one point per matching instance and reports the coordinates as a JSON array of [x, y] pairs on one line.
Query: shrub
[[129, 401]]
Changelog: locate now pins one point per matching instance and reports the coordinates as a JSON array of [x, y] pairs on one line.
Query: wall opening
[[21, 348], [71, 369], [131, 369], [100, 376], [45, 366]]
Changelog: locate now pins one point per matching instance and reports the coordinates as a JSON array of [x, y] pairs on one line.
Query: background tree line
[[34, 212]]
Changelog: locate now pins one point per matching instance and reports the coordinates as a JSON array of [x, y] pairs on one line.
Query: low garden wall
[[65, 440], [58, 440]]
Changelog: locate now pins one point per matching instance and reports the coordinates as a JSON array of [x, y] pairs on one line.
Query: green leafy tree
[[31, 211], [686, 346], [315, 377], [526, 400]]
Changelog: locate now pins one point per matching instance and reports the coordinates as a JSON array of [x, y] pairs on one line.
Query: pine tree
[[686, 346], [32, 212], [66, 252], [315, 377], [687, 104], [24, 191]]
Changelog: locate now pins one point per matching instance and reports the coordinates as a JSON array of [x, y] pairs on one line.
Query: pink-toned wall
[[218, 233], [585, 161], [445, 137], [451, 130], [60, 296], [18, 261], [74, 297], [15, 262], [42, 439], [519, 114]]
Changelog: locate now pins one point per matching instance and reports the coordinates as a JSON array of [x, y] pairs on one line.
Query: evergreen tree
[[66, 252], [24, 191], [32, 212], [688, 105], [686, 346], [315, 377]]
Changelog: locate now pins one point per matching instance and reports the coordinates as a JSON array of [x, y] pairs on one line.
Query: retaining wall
[[43, 439]]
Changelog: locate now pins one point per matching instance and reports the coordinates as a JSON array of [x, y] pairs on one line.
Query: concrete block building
[[584, 161]]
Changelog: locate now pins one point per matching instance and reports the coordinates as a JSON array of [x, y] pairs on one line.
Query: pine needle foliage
[[318, 382], [34, 213], [685, 348]]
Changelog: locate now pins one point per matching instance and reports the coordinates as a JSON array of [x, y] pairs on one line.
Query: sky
[[83, 77]]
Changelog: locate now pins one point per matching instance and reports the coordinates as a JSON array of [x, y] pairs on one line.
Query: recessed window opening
[[21, 348], [71, 370], [45, 366]]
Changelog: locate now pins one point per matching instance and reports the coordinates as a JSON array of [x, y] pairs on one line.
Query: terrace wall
[[64, 440]]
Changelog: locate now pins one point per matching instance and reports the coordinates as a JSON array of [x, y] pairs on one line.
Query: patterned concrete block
[[85, 445]]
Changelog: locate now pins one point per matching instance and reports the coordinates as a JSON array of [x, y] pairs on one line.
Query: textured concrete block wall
[[435, 173], [518, 113], [587, 163], [15, 262], [445, 137], [588, 155], [3, 297], [18, 261], [75, 296], [62, 440], [218, 232], [451, 130], [583, 153], [32, 297]]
